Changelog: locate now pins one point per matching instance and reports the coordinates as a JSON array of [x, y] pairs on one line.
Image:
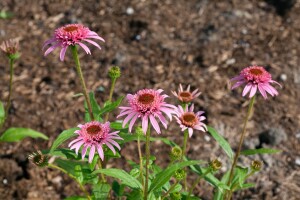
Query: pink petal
[[62, 53], [84, 151], [237, 84], [77, 146], [190, 132], [96, 37], [253, 91], [100, 152], [162, 120], [111, 147], [47, 42], [133, 120], [124, 113], [191, 108], [126, 120], [93, 43], [168, 112], [74, 141], [114, 143], [92, 153], [180, 88], [50, 49], [262, 91], [86, 49], [154, 124], [237, 78], [247, 89], [145, 124], [188, 88]]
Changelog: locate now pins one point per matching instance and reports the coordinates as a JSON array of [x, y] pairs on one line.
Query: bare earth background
[[158, 44]]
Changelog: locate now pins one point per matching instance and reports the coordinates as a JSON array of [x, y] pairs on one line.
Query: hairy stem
[[112, 88], [74, 178], [147, 162], [197, 181], [250, 108], [141, 160], [185, 139], [170, 189], [82, 82]]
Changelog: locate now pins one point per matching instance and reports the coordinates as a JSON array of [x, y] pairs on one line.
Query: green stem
[[11, 72], [73, 177], [141, 160], [103, 178], [82, 82], [112, 88], [197, 181], [250, 108], [170, 189], [185, 139], [147, 162]]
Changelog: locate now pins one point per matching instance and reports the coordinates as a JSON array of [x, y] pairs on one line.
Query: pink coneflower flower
[[186, 96], [255, 77], [188, 119], [147, 104], [71, 34], [94, 135]]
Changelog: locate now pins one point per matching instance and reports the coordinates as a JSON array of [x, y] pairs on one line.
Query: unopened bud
[[256, 165], [38, 159], [176, 153], [215, 165], [175, 196], [139, 131], [180, 174], [114, 72]]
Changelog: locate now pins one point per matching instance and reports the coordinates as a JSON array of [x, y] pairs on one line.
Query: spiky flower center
[[256, 71], [70, 28], [93, 130], [185, 96], [256, 74], [189, 119], [146, 99]]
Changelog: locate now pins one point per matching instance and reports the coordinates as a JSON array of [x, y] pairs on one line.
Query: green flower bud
[[215, 165], [180, 174], [11, 48], [38, 159], [139, 131], [114, 72], [176, 153], [256, 165], [175, 196]]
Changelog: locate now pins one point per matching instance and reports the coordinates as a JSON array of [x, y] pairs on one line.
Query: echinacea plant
[[97, 141], [11, 49]]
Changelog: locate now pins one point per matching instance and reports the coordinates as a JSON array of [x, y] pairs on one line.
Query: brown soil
[[161, 44]]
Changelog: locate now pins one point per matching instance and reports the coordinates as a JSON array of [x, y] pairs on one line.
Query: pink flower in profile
[[147, 104], [71, 34], [94, 135], [255, 77], [188, 119], [186, 96]]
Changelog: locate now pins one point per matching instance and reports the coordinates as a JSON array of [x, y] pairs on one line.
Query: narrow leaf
[[101, 190], [259, 151], [111, 106], [17, 134], [76, 198], [2, 113], [126, 178], [64, 136], [164, 176], [222, 142]]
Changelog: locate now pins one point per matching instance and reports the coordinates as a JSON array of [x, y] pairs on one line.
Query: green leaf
[[5, 14], [118, 126], [63, 153], [259, 151], [95, 108], [2, 113], [241, 173], [126, 178], [222, 142], [17, 134], [164, 176], [64, 136], [101, 191], [76, 198], [134, 195], [78, 173], [246, 186], [111, 106], [118, 189]]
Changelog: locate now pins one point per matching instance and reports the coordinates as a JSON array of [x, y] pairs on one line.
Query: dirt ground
[[157, 44]]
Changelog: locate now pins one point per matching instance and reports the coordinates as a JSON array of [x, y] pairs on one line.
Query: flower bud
[[114, 72], [38, 159], [139, 131], [175, 196], [176, 153], [256, 165], [11, 48], [180, 174], [215, 165]]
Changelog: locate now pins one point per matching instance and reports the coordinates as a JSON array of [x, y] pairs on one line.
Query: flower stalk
[[147, 162], [250, 109], [197, 182], [82, 82]]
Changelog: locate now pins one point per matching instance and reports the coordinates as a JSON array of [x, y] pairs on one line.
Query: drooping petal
[[163, 120], [126, 120], [114, 143], [253, 91], [50, 49], [92, 153], [74, 141], [154, 124], [247, 89], [62, 53], [133, 120], [190, 132], [100, 152], [111, 147], [262, 91], [145, 124], [84, 149], [93, 43], [86, 49]]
